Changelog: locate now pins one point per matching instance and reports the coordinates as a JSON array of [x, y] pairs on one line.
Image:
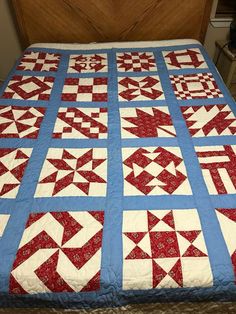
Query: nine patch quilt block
[[117, 176]]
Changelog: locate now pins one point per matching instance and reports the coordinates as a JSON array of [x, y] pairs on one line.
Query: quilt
[[117, 176]]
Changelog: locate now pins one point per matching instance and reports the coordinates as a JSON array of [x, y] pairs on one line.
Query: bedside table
[[226, 65]]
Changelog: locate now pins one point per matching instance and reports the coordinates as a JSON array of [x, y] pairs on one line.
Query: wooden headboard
[[110, 20]]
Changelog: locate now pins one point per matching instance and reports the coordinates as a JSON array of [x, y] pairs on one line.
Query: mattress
[[118, 178]]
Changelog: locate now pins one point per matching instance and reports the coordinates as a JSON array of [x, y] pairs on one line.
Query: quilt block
[[135, 61], [88, 63], [59, 252], [29, 87], [73, 172], [184, 59], [154, 171], [218, 164], [195, 86], [13, 162], [20, 122], [164, 249], [140, 88], [146, 122], [39, 61], [85, 89], [227, 220], [209, 120], [81, 123]]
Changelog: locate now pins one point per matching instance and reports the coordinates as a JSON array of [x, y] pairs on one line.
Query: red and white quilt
[[117, 176]]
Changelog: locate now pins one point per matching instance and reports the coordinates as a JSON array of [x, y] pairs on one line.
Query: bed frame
[[86, 21]]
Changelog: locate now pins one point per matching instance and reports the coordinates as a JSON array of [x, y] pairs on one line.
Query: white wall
[[218, 29], [214, 33], [10, 48]]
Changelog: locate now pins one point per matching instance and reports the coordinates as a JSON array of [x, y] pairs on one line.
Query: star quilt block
[[20, 121], [184, 59], [135, 61], [29, 87], [13, 162], [59, 252], [164, 249], [140, 88], [227, 220], [81, 123], [85, 89], [39, 61], [73, 172], [88, 63], [195, 86], [142, 122], [218, 165], [154, 171], [209, 120]]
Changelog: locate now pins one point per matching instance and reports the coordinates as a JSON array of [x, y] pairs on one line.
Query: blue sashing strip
[[112, 246], [111, 292]]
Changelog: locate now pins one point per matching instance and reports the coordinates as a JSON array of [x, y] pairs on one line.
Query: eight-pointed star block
[[59, 252], [73, 172], [154, 171], [164, 249]]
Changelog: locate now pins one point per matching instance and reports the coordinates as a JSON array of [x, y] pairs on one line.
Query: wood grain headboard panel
[[110, 20]]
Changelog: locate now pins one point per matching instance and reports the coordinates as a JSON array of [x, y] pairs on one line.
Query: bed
[[117, 180]]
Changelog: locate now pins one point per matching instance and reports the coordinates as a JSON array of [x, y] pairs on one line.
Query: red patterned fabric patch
[[146, 122], [39, 61], [59, 252], [88, 63], [154, 171], [29, 87], [164, 249], [227, 220], [195, 86], [218, 164], [135, 61], [210, 120], [140, 88], [20, 122], [184, 59], [73, 172], [13, 162], [81, 123], [85, 89]]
